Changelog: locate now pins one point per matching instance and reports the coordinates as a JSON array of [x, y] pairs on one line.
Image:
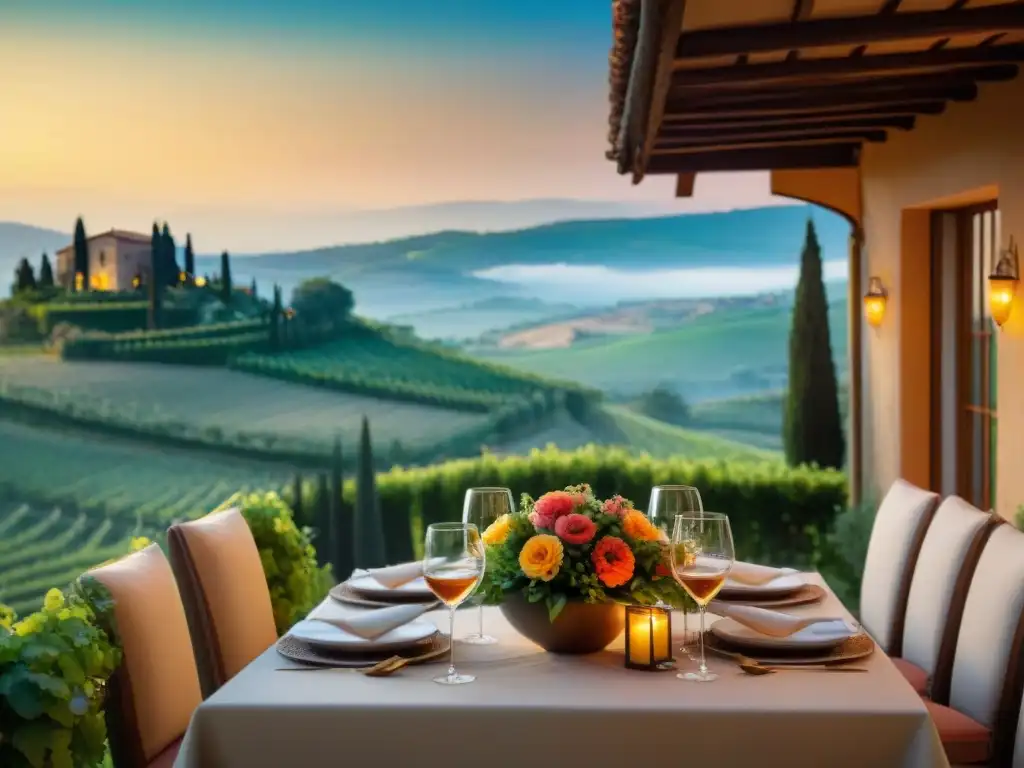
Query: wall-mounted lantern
[[1002, 284], [874, 302]]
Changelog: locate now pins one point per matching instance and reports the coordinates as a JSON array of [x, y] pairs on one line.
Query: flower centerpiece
[[569, 552]]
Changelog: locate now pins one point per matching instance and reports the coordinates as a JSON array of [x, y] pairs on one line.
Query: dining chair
[[896, 537], [978, 724], [227, 602], [152, 695], [938, 591]]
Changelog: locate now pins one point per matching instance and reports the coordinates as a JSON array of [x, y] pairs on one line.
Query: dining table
[[531, 708]]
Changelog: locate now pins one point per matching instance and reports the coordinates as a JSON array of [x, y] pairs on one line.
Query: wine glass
[[702, 555], [453, 567], [667, 501], [482, 507]]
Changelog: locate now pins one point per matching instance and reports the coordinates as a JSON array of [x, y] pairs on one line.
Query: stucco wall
[[971, 152]]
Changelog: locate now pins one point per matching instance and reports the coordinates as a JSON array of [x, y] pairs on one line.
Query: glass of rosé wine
[[702, 555], [453, 567]]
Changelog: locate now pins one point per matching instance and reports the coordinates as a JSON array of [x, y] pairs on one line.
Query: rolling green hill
[[719, 355]]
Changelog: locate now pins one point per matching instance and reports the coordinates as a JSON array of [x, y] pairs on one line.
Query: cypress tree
[[45, 273], [24, 277], [190, 261], [340, 519], [275, 320], [169, 257], [156, 277], [369, 528], [297, 510], [252, 288], [225, 278], [81, 247], [812, 429]]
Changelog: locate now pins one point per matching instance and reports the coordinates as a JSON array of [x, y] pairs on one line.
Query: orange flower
[[637, 526], [613, 561]]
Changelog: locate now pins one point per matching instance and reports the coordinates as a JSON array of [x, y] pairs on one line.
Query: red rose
[[575, 529]]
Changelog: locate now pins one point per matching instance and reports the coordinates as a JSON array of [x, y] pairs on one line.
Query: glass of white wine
[[667, 501], [702, 555], [453, 567], [482, 506]]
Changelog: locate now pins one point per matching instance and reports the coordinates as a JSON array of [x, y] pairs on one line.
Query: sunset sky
[[244, 119]]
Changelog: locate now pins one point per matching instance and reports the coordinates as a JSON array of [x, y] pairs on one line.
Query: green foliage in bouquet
[[569, 545], [295, 580], [54, 667]]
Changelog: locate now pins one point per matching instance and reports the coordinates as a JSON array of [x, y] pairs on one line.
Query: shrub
[[54, 666], [779, 515], [846, 550], [295, 581]]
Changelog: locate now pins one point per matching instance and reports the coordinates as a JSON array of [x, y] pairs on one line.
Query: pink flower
[[551, 506], [617, 506], [575, 529]]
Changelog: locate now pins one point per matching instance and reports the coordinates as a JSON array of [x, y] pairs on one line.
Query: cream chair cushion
[[228, 588], [992, 614], [954, 534], [899, 527], [162, 685]]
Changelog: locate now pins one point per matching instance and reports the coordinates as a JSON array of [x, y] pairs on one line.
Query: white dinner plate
[[813, 638], [777, 587], [325, 635], [370, 587]]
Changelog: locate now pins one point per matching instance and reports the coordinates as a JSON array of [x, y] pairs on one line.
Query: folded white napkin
[[369, 624], [393, 576], [754, 575], [776, 624]]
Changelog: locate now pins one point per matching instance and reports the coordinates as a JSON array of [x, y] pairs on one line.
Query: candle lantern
[[648, 637]]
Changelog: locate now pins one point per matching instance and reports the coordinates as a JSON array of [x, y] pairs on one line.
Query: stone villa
[[116, 258]]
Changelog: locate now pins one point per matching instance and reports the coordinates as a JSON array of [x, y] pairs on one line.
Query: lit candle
[[648, 637]]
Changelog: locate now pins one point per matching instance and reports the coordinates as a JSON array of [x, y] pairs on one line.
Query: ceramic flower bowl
[[579, 628]]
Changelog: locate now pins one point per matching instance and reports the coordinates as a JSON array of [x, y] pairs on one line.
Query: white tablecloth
[[529, 708]]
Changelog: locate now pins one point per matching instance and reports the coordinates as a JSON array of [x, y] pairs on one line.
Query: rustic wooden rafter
[[774, 158], [839, 98], [802, 9], [806, 117], [951, 60], [690, 149], [853, 30], [760, 136], [853, 86], [791, 124]]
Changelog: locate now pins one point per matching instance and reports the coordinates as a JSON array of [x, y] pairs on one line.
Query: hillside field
[[69, 501], [234, 401], [719, 355]]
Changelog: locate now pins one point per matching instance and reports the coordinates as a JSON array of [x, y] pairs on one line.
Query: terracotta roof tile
[[625, 23]]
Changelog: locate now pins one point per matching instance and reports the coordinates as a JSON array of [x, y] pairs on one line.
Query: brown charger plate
[[857, 647], [343, 593], [304, 653], [808, 593]]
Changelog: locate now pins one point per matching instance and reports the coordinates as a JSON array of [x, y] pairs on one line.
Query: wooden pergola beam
[[945, 60], [685, 183], [761, 159], [686, 130], [673, 122], [756, 137], [670, 14], [839, 99], [908, 84], [852, 30], [699, 149]]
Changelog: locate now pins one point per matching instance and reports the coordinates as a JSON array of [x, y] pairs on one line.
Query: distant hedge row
[[779, 515], [198, 349], [108, 316]]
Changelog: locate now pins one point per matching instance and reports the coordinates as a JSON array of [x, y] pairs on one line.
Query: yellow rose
[[54, 600], [497, 531], [541, 557], [638, 527]]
